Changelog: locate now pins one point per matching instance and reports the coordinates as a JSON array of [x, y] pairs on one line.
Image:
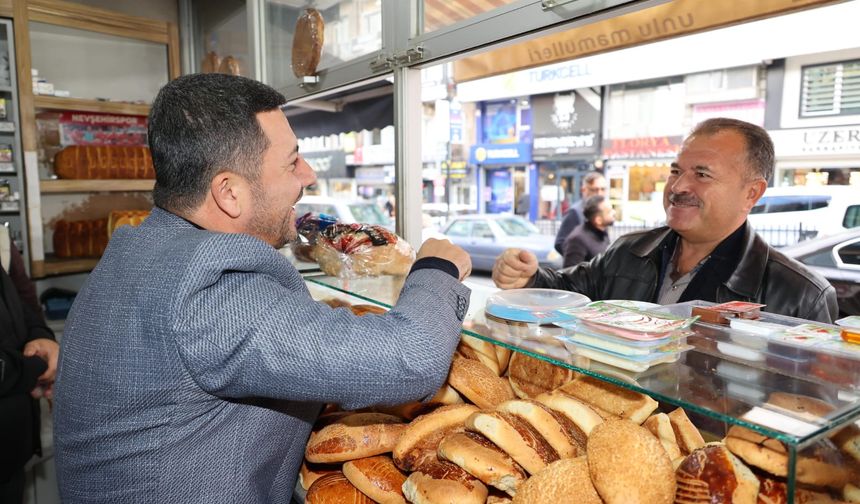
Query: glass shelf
[[717, 388]]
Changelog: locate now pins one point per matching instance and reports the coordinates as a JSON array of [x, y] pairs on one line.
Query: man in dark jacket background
[[28, 362], [591, 237], [708, 251]]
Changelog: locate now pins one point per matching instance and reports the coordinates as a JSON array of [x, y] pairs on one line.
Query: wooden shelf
[[84, 105], [106, 185], [55, 266]]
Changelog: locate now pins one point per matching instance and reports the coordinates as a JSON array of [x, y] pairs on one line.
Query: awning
[[355, 116]]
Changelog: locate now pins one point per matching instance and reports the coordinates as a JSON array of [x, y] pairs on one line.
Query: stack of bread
[[104, 162], [89, 238], [507, 427]]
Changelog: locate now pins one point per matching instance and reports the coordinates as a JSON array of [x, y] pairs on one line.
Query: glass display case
[[727, 379]]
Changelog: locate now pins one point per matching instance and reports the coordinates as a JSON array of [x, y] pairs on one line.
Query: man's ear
[[228, 190], [756, 191]]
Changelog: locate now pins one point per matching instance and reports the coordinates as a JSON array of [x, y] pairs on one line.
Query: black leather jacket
[[632, 268]]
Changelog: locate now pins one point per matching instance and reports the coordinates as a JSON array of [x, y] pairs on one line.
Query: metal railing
[[776, 236]]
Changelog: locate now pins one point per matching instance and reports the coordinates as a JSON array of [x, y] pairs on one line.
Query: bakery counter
[[766, 399]]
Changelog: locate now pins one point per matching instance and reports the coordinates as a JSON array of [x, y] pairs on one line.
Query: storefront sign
[[660, 22], [642, 148], [566, 125], [836, 140], [374, 175], [512, 153], [751, 111], [373, 155], [327, 164], [90, 128]]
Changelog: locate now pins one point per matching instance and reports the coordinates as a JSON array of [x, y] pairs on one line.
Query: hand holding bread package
[[347, 250]]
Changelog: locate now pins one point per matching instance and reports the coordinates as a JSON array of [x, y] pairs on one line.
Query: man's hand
[[49, 351], [444, 249], [514, 268]]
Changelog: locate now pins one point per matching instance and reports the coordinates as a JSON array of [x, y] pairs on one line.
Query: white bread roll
[[565, 480], [582, 415], [530, 376], [478, 383], [617, 401]]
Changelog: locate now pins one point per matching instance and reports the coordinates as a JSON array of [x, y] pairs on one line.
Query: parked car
[[787, 215], [837, 258], [346, 211], [485, 236]]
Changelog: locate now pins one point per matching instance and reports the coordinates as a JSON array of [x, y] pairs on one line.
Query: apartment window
[[831, 90]]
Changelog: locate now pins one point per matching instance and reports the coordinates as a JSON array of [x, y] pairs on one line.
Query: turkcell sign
[[511, 153]]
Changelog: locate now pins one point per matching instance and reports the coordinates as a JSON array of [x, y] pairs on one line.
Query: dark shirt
[[585, 242], [572, 218]]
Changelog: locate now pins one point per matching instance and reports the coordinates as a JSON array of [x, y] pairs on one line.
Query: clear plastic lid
[[538, 306]]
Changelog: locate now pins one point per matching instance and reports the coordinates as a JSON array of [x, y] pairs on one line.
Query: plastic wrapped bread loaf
[[104, 162]]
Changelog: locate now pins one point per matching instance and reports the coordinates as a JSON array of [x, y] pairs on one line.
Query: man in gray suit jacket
[[194, 360]]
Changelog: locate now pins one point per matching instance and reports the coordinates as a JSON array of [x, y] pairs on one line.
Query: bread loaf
[[119, 218], [104, 162], [443, 482], [483, 460], [516, 437], [558, 430], [80, 238], [354, 436], [478, 383], [627, 464], [565, 480], [335, 489], [376, 477], [531, 377], [713, 474], [308, 43], [346, 250], [311, 472], [420, 442], [617, 401]]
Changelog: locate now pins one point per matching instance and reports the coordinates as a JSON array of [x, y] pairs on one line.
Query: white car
[[787, 215]]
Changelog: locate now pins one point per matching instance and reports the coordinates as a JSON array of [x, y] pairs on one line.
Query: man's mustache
[[684, 199]]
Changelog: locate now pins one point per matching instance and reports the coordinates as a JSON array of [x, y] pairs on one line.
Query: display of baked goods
[[104, 162], [308, 43], [87, 238], [580, 439], [119, 218]]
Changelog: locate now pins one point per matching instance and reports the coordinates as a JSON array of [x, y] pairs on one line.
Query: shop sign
[[642, 147], [512, 153], [374, 175], [836, 140], [667, 20], [90, 128], [327, 164], [566, 125], [751, 111], [373, 155], [458, 169]]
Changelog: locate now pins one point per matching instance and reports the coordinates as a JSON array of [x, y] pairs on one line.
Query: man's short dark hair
[[760, 155], [201, 125], [591, 207]]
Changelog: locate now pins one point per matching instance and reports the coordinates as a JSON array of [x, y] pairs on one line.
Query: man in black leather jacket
[[708, 250]]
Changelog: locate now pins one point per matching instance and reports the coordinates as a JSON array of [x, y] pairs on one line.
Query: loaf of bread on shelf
[[418, 445], [119, 218], [104, 162], [308, 43], [80, 238], [441, 481], [483, 460]]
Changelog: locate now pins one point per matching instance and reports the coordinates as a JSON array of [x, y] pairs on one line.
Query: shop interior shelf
[[112, 185], [86, 105], [718, 389], [57, 266]]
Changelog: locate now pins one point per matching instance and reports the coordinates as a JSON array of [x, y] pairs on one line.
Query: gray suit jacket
[[193, 364]]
